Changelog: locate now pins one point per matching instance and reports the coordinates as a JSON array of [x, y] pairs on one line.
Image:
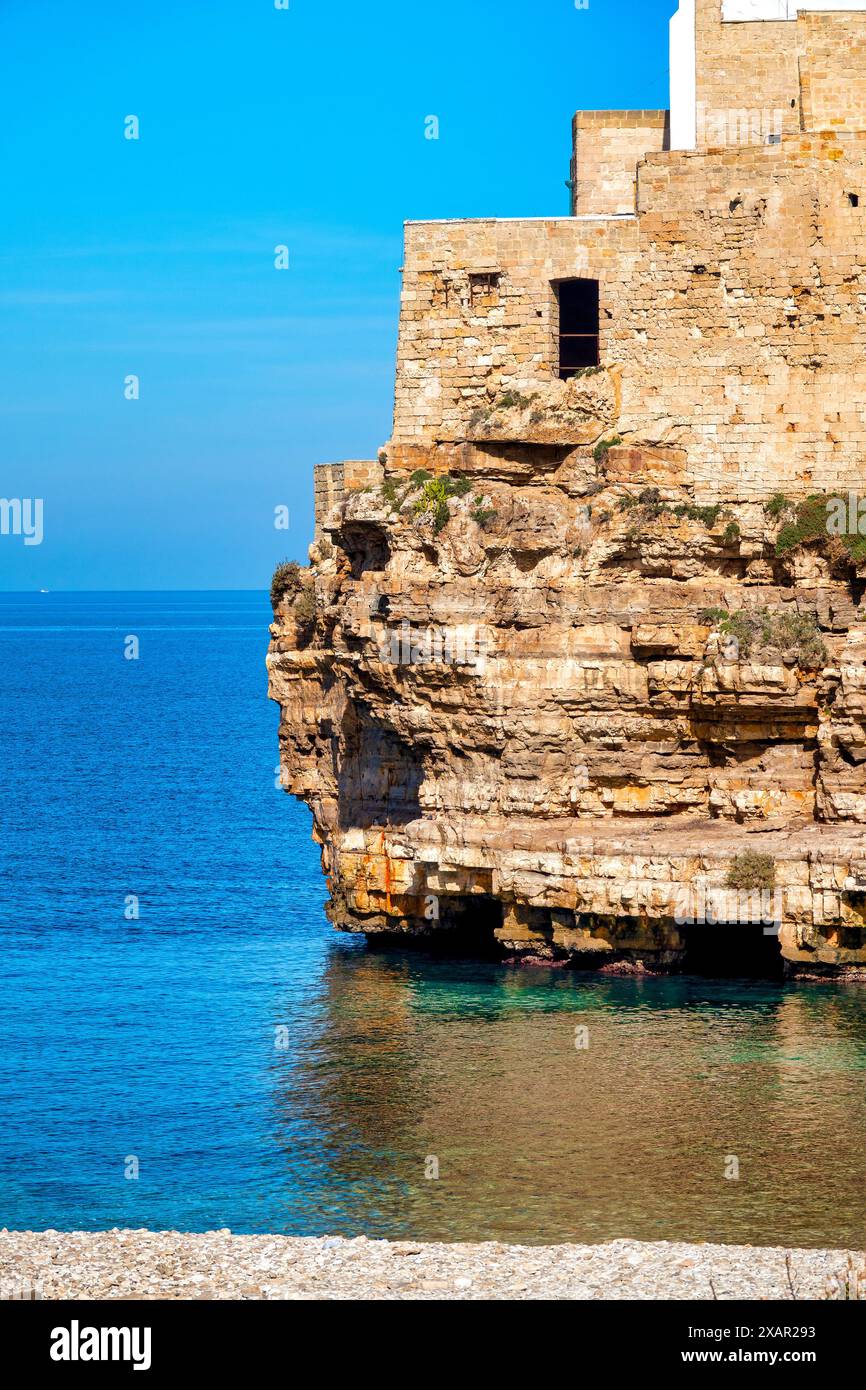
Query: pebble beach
[[220, 1265]]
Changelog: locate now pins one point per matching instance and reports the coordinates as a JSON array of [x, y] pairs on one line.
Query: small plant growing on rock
[[389, 492], [457, 487], [292, 588], [513, 400], [484, 516], [732, 533], [603, 446], [304, 607], [433, 501], [750, 870], [708, 515], [778, 505], [711, 617]]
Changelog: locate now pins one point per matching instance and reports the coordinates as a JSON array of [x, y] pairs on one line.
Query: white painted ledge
[[749, 11]]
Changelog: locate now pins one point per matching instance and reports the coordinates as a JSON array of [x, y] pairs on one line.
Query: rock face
[[577, 673], [527, 727]]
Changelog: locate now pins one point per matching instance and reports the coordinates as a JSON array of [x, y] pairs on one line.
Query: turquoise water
[[155, 1039]]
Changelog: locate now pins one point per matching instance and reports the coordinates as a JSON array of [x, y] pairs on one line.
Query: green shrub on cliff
[[304, 607], [750, 870], [433, 503], [286, 579], [292, 587], [810, 523], [767, 631], [708, 515], [778, 505], [649, 502]]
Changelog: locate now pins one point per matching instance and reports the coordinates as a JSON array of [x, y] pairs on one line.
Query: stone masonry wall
[[832, 70], [328, 491], [743, 67], [332, 482], [732, 318], [607, 147], [464, 336], [778, 76]]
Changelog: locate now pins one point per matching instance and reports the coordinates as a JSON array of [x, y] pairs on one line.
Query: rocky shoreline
[[219, 1265]]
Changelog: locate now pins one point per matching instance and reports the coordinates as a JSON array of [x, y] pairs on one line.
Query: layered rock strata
[[536, 725]]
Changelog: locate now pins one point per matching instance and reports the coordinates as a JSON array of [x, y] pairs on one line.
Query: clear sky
[[155, 257]]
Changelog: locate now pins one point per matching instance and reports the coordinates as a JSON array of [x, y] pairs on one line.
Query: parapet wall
[[332, 481], [607, 146], [328, 491]]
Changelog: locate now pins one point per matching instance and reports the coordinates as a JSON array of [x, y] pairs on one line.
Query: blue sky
[[155, 257]]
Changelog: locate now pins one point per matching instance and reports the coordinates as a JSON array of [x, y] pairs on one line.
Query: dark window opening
[[854, 199], [578, 325]]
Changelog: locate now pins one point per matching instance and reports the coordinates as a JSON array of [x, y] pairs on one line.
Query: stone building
[[625, 467]]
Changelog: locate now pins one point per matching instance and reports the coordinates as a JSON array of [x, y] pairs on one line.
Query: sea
[[186, 1043]]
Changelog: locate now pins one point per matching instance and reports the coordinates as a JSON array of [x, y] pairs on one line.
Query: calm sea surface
[[154, 1041]]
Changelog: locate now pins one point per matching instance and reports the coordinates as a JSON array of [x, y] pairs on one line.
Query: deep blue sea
[[228, 1060]]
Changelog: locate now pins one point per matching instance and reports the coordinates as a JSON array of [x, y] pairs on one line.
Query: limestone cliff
[[535, 720]]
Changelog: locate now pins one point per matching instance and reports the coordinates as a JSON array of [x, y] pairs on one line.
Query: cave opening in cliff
[[467, 924], [466, 927], [578, 325], [733, 951]]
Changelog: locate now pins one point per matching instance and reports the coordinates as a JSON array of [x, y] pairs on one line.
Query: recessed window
[[484, 285], [578, 325], [854, 199]]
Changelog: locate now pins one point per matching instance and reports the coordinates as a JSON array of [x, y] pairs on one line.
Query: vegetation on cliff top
[[286, 579]]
